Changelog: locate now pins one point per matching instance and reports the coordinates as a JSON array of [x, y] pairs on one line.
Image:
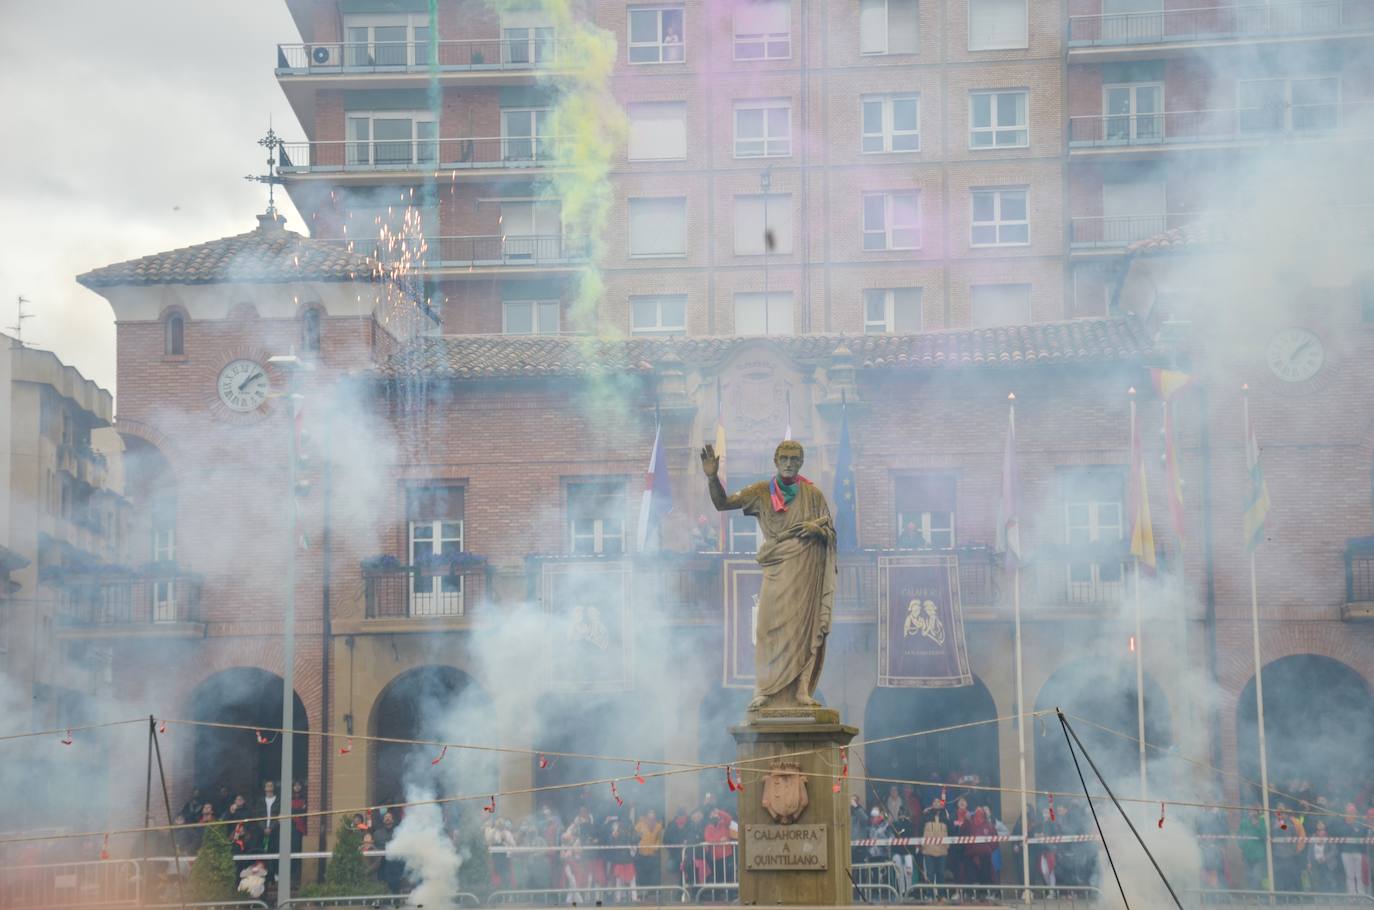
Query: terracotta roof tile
[[1198, 233], [268, 253], [510, 356]]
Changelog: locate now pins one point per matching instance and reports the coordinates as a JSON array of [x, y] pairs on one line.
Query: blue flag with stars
[[846, 506]]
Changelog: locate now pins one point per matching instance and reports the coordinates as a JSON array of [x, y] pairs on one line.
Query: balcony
[[83, 463], [114, 599], [480, 56], [1093, 578], [362, 161], [1359, 579], [437, 590], [481, 255], [1219, 24], [1117, 133]]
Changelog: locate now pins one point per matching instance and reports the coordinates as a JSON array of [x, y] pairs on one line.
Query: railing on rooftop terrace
[[472, 55], [1294, 121], [1248, 20], [463, 153]]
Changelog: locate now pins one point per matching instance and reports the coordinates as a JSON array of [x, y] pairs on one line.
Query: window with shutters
[[752, 233], [763, 29], [997, 25], [596, 518], [999, 304], [888, 26], [658, 226], [925, 511], [657, 35], [434, 517], [763, 314], [1094, 529], [658, 130]]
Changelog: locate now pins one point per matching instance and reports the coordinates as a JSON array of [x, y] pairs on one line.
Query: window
[[757, 314], [743, 529], [165, 600], [1000, 218], [391, 138], [763, 30], [998, 120], [596, 518], [386, 40], [1132, 210], [891, 123], [310, 331], [754, 236], [658, 226], [162, 516], [763, 129], [174, 335], [531, 230], [888, 26], [658, 130], [1288, 105], [657, 35], [527, 38], [1093, 531], [892, 221], [659, 314], [530, 317], [1134, 111], [435, 519], [996, 25], [1092, 288], [1000, 304], [925, 511], [888, 310], [525, 134]]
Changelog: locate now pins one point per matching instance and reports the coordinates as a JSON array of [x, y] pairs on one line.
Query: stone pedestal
[[788, 856]]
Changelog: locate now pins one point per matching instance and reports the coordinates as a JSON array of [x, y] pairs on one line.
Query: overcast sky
[[131, 125]]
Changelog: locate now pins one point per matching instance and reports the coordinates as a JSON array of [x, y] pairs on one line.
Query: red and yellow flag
[[1142, 531], [1169, 383]]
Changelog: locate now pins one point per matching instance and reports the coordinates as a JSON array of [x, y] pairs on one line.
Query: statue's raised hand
[[710, 461]]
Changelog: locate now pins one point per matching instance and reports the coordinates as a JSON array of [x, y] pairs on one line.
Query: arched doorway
[[236, 759], [435, 704], [1104, 694], [1318, 726], [601, 724], [968, 755]]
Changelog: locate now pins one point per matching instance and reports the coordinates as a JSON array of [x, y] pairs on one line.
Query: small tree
[[212, 874], [347, 874]]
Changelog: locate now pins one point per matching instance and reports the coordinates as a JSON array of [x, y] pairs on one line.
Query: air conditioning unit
[[325, 55]]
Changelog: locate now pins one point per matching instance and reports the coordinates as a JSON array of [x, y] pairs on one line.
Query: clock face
[[1295, 354], [242, 385]]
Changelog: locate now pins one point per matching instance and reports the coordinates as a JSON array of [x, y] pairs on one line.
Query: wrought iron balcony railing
[[1178, 128], [396, 591], [321, 58], [388, 155], [149, 596], [1214, 23]]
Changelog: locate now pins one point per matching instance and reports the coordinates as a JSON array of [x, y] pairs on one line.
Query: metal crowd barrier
[[592, 894], [103, 883], [1066, 897], [461, 899], [729, 889], [1234, 898]]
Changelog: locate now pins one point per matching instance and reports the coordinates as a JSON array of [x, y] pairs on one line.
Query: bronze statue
[[799, 571]]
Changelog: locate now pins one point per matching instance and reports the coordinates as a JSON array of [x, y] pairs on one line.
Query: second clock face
[[243, 385], [1295, 354]]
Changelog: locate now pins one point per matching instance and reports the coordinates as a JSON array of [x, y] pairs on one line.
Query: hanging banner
[[921, 623], [589, 632], [743, 582]]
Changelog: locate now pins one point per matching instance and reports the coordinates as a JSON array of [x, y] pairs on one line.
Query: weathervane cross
[[273, 143]]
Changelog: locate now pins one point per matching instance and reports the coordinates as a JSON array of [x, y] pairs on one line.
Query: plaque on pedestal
[[794, 845]]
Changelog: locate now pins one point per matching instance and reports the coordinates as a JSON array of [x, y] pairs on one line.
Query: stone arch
[[250, 697], [957, 754], [1319, 727], [1102, 693], [432, 702]]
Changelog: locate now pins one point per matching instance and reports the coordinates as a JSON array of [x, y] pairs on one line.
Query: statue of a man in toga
[[799, 571]]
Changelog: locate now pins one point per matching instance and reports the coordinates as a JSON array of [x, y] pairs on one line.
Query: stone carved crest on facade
[[784, 792]]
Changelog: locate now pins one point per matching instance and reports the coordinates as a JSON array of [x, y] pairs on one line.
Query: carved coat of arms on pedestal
[[784, 792]]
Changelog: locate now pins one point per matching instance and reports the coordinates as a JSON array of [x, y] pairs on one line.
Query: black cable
[[167, 803], [857, 889], [1065, 724], [1141, 840]]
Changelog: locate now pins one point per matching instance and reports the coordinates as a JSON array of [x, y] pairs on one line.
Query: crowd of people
[[256, 826]]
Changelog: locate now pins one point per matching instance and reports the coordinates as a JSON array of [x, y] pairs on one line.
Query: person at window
[[911, 537], [705, 537], [672, 44]]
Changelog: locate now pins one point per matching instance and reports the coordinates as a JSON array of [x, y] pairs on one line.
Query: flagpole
[[1020, 699], [1259, 683], [1139, 643]]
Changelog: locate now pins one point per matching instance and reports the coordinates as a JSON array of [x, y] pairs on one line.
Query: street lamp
[[292, 366]]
